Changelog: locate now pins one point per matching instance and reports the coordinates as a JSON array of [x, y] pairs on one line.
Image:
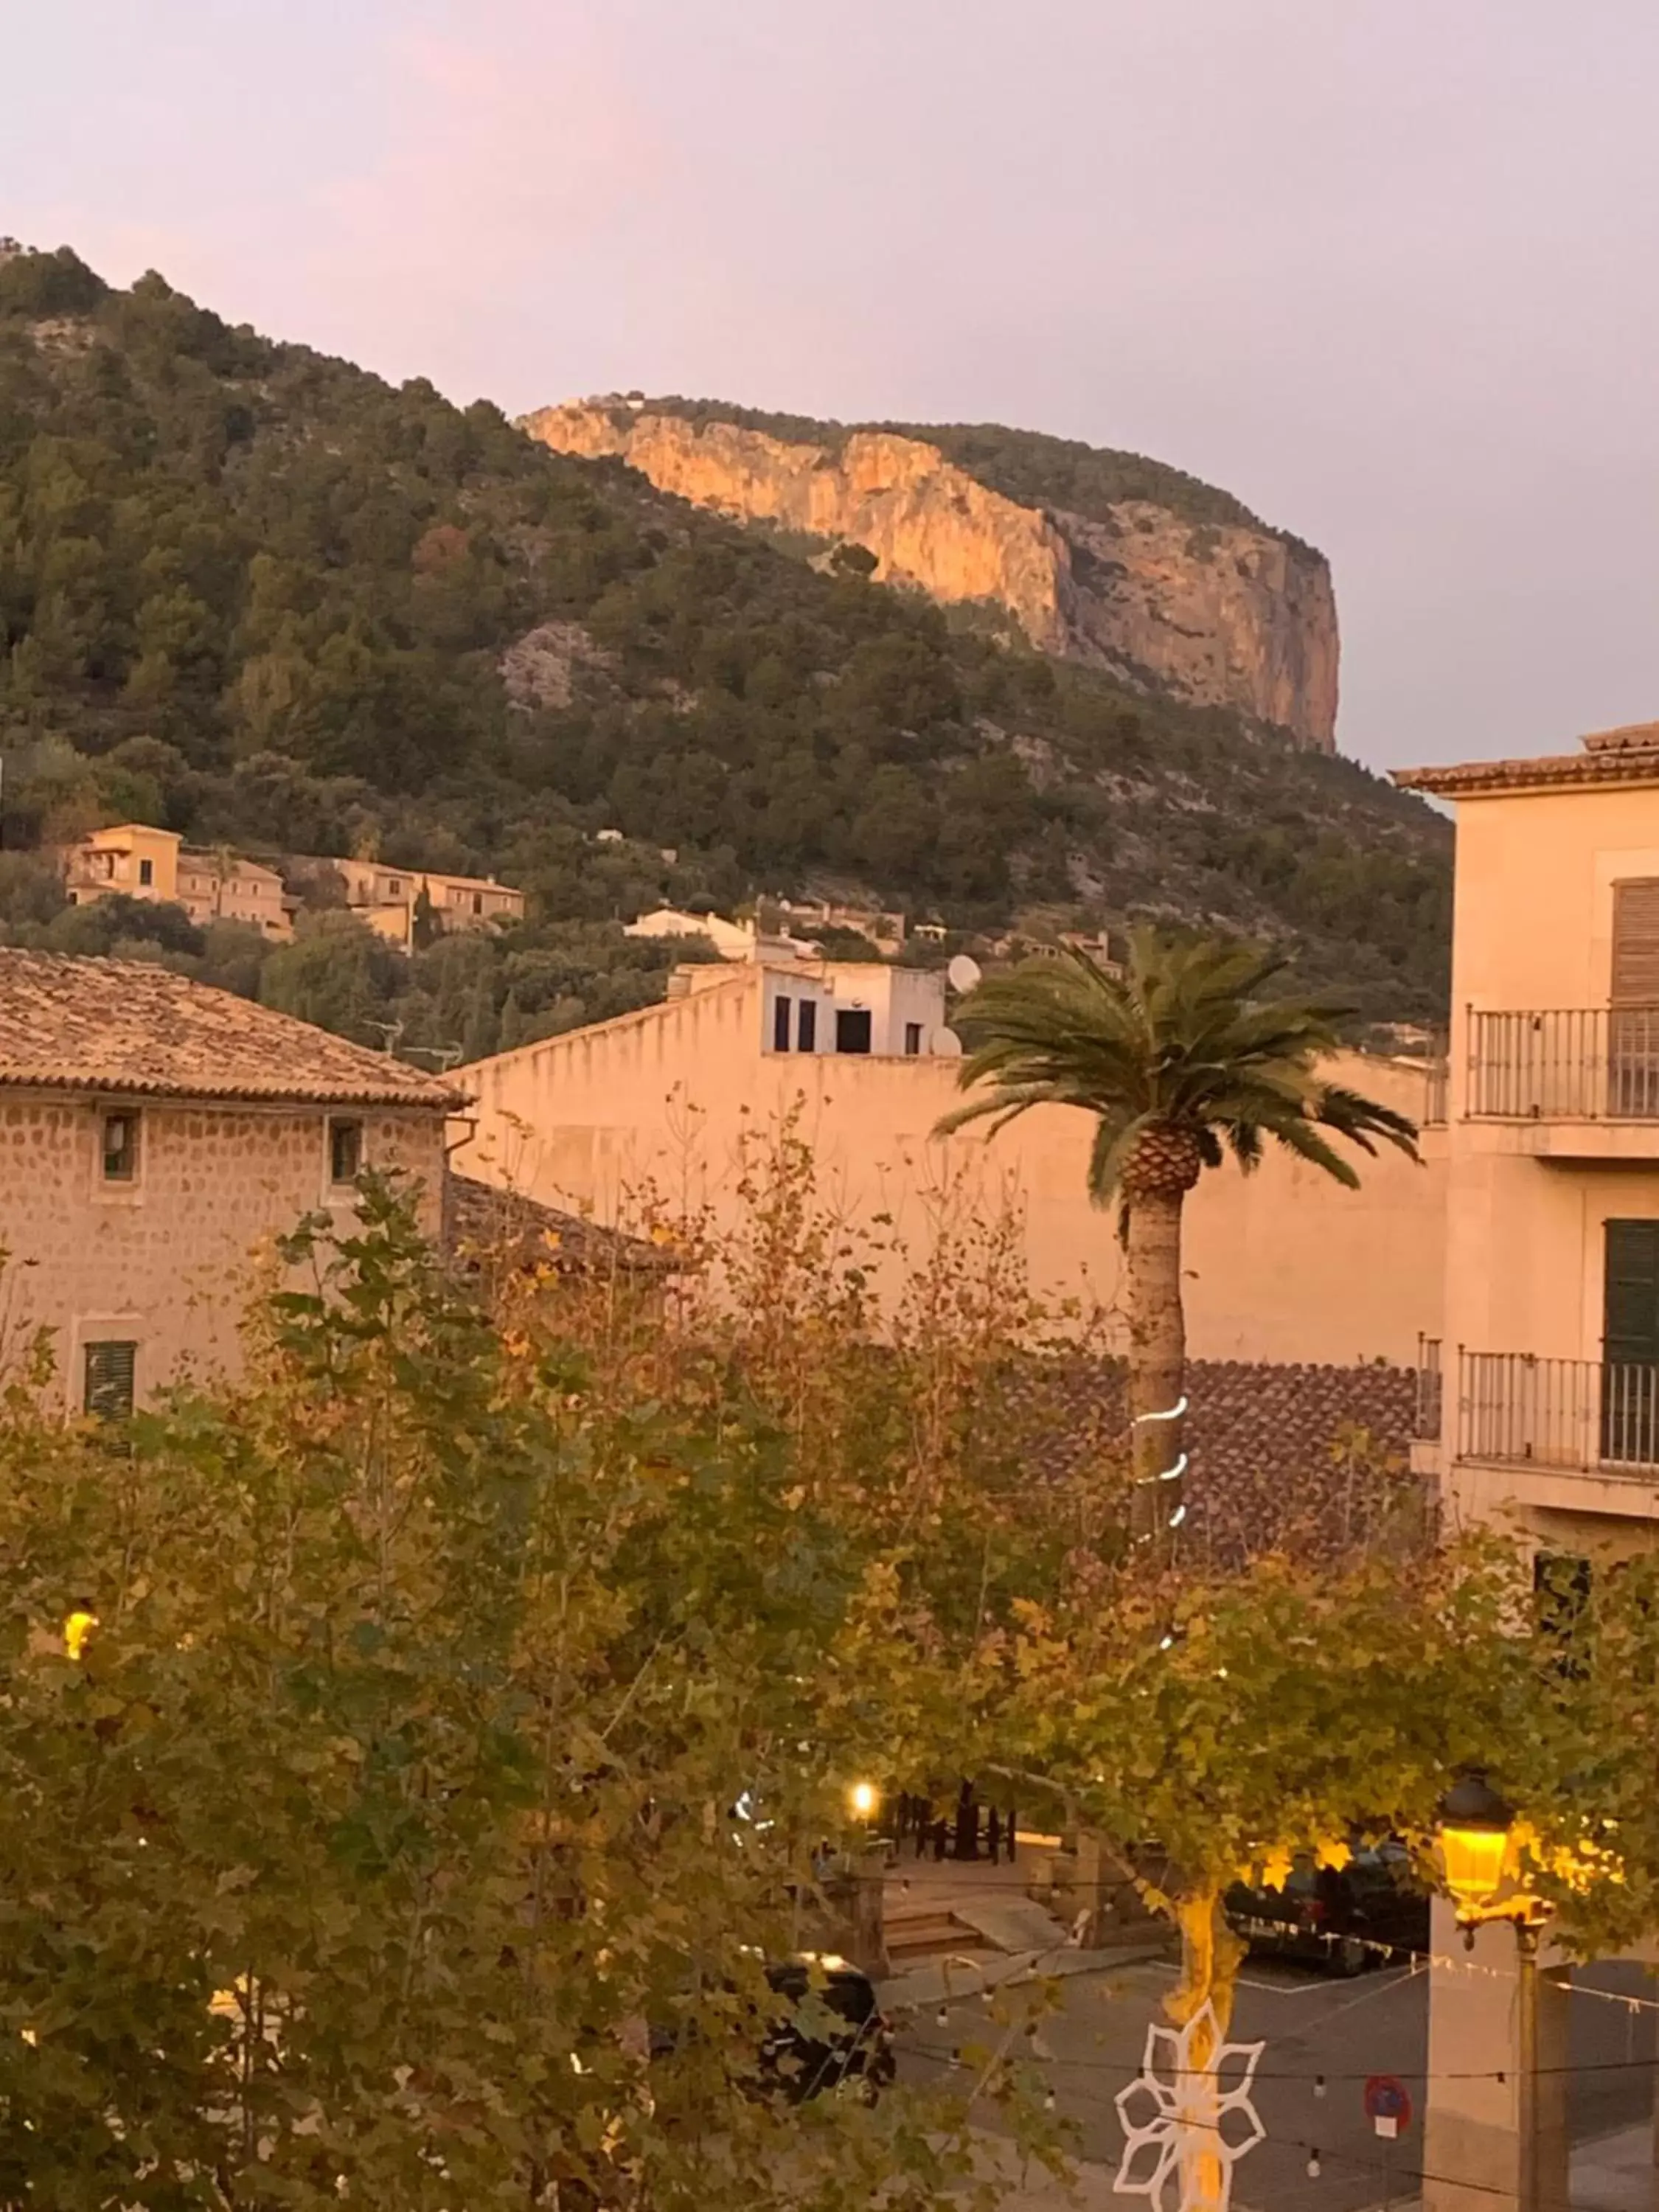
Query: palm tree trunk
[[1157, 1359]]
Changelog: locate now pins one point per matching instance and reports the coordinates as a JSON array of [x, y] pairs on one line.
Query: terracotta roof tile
[[486, 1223], [123, 1026], [1625, 761]]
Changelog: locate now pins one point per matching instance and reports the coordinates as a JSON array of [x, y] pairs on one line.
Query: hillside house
[[392, 901], [147, 863], [154, 1134]]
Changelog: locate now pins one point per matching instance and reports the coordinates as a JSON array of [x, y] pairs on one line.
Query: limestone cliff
[[1221, 614]]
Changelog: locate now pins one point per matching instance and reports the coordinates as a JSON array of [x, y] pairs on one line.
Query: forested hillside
[[263, 598]]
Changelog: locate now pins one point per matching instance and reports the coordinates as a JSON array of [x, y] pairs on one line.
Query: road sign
[[1388, 2105]]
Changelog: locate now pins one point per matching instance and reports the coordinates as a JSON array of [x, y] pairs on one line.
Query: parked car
[[800, 2056], [1346, 1918]]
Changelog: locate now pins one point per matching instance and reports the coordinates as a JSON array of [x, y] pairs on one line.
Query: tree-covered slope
[[267, 599]]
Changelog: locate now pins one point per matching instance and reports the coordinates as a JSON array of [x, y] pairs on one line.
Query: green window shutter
[[109, 1380]]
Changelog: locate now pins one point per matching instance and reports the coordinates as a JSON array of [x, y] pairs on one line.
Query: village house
[[1548, 1425], [394, 900], [1284, 1266], [147, 863], [153, 1135], [1552, 1147]]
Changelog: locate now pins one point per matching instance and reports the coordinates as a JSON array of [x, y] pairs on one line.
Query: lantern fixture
[[1475, 1825]]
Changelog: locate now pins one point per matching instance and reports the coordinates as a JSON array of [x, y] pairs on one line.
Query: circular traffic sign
[[1387, 2103]]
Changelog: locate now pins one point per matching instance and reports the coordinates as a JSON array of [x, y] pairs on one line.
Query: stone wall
[[170, 1260]]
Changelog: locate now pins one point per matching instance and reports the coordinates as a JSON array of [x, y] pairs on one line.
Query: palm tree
[[1180, 1059]]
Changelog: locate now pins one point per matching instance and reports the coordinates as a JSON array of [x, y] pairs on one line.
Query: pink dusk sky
[[1385, 269]]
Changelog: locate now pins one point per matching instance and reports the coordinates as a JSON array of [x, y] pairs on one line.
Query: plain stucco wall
[[1284, 1264], [167, 1260]]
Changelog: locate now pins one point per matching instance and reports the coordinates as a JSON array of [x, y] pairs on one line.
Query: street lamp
[[1475, 1824], [863, 1798], [1476, 1829]]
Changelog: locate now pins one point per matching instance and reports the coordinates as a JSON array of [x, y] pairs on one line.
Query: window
[[147, 872], [807, 1026], [780, 1024], [345, 1151], [912, 1039], [110, 1367], [393, 885], [478, 902], [1630, 1341], [852, 1028], [120, 1147]]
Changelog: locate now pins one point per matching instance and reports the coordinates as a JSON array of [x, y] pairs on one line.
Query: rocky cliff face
[[1217, 614]]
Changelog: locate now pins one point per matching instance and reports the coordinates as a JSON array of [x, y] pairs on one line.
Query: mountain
[[1100, 557], [264, 599]]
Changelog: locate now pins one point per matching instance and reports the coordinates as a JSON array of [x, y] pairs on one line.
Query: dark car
[[801, 2055], [1346, 1918], [857, 2052]]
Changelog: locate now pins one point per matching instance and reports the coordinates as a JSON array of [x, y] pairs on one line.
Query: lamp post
[[1476, 1830]]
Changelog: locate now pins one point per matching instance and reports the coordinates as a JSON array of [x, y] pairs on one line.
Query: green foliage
[[264, 599], [385, 1810]]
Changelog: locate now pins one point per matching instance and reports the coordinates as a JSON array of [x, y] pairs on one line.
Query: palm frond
[[1184, 1038]]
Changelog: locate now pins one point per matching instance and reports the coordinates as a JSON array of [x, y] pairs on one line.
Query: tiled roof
[[123, 1026], [1625, 756], [485, 1223]]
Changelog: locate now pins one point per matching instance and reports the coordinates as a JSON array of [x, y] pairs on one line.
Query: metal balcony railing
[[1575, 1414], [1568, 1064]]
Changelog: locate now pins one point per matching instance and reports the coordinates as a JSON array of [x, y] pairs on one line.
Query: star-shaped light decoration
[[1186, 2125]]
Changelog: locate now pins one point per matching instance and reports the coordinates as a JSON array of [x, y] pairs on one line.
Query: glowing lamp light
[[77, 1628], [863, 1797], [1474, 1845]]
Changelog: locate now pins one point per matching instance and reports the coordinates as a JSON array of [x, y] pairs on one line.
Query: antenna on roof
[[446, 1055], [391, 1035]]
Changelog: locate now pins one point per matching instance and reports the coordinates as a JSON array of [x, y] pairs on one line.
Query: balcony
[[1583, 1081], [1577, 1416]]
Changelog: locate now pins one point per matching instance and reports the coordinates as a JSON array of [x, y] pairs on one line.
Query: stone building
[[153, 1135]]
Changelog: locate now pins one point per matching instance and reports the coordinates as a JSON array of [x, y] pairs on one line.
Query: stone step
[[919, 1933]]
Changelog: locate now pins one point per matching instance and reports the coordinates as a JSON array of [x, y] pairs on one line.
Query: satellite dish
[[947, 1045], [963, 973]]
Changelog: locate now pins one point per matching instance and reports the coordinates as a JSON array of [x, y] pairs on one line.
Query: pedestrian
[[967, 1824]]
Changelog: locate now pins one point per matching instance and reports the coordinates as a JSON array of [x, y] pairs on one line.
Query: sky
[[1384, 269]]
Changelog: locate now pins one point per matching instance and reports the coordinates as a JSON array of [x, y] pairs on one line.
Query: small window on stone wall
[[110, 1369], [120, 1147], [345, 1151]]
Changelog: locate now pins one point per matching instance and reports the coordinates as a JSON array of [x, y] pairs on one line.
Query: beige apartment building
[[155, 1136], [1283, 1266], [1549, 1423], [1552, 1294], [147, 863]]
